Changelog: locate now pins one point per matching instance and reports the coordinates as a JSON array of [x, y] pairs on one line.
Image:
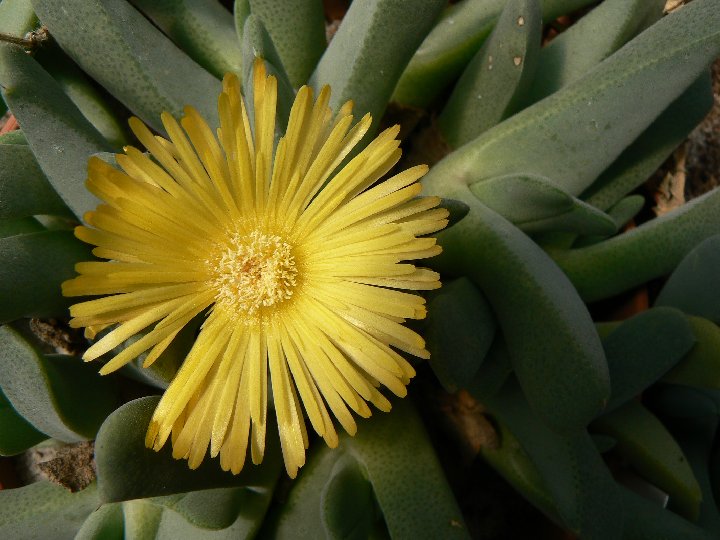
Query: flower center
[[255, 271]]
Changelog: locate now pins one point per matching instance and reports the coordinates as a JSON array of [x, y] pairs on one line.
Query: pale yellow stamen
[[253, 271]]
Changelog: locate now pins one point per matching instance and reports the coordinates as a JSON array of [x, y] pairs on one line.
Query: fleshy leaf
[[534, 204], [44, 510], [590, 40], [648, 447], [554, 348], [452, 43], [582, 489], [370, 50], [16, 434], [204, 29], [297, 28], [459, 331], [59, 395], [130, 58], [32, 267], [60, 137], [257, 43], [24, 190], [105, 523], [645, 155], [128, 470], [692, 287], [652, 250], [575, 134], [644, 348], [701, 366], [497, 75]]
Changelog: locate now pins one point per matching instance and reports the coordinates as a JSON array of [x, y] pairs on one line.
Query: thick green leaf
[[555, 350], [59, 395], [407, 479], [642, 349], [679, 401], [701, 366], [105, 523], [173, 526], [24, 190], [621, 213], [590, 40], [648, 447], [347, 502], [645, 155], [257, 43], [452, 43], [16, 434], [493, 372], [495, 78], [300, 516], [16, 17], [459, 330], [216, 509], [130, 58], [534, 204], [60, 137], [204, 29], [370, 50], [696, 437], [692, 287], [575, 134], [13, 227], [13, 137], [513, 463], [652, 250], [32, 267], [141, 519], [645, 520], [101, 110], [128, 470], [44, 510], [297, 28], [582, 490]]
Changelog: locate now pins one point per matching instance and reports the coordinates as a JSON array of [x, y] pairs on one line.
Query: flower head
[[296, 263]]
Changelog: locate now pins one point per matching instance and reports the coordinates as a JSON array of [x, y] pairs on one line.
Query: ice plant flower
[[296, 264]]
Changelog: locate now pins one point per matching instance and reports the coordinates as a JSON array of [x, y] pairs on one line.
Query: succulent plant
[[538, 143]]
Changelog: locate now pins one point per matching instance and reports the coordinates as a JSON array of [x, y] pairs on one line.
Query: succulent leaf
[[370, 50], [60, 137], [589, 41], [645, 155], [44, 510], [130, 58], [29, 289], [652, 250], [41, 388], [573, 135], [24, 190], [652, 451], [701, 366], [128, 470], [534, 204], [642, 349], [571, 468], [204, 29], [16, 433], [105, 523], [692, 287], [496, 77], [460, 330], [297, 28], [553, 345]]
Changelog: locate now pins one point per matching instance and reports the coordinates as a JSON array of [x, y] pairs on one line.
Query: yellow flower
[[295, 262]]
